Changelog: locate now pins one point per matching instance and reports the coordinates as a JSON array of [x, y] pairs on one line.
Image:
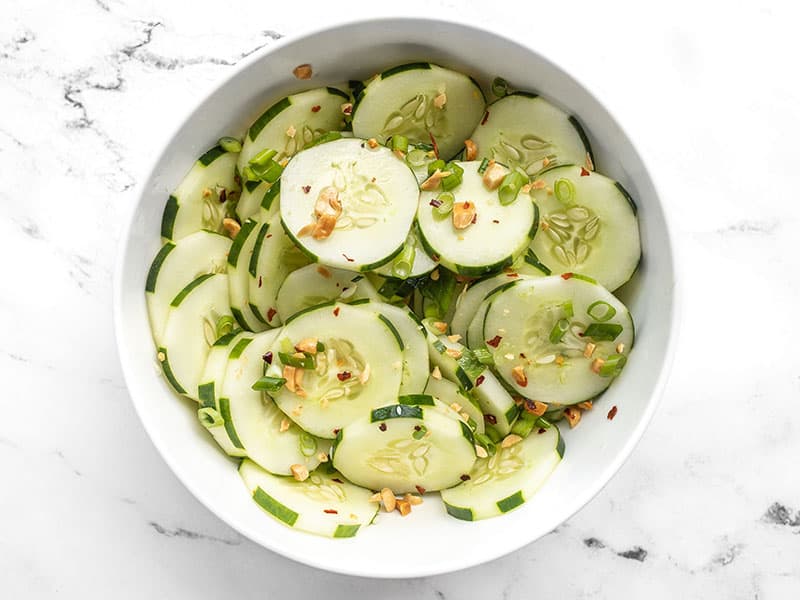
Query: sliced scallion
[[454, 179], [436, 164], [564, 190], [601, 311], [401, 267], [305, 362], [559, 329], [225, 325], [499, 87], [485, 442], [493, 434], [445, 204], [400, 142], [603, 332], [326, 137], [263, 158], [308, 445], [569, 312], [269, 384], [510, 187], [484, 356], [419, 432], [483, 166], [209, 417], [230, 144], [613, 365], [524, 424], [416, 158]]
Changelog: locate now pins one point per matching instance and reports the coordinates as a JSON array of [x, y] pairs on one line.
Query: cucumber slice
[[508, 479], [239, 258], [421, 264], [324, 504], [378, 196], [359, 369], [191, 330], [211, 383], [588, 225], [252, 420], [258, 197], [177, 265], [449, 393], [274, 257], [498, 235], [306, 116], [200, 201], [410, 335], [404, 446], [403, 101], [315, 284], [521, 319], [521, 130]]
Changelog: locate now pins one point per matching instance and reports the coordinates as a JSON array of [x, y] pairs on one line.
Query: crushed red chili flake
[[435, 203], [566, 276], [336, 312], [512, 275], [479, 380], [541, 430], [465, 477], [306, 189], [372, 180], [417, 427], [485, 118], [335, 431], [271, 314], [269, 235], [223, 195], [337, 480], [494, 342], [529, 406], [612, 413], [268, 358], [584, 172], [434, 144], [316, 108], [331, 511], [491, 419], [347, 257], [344, 375], [259, 281], [474, 218], [495, 221], [382, 426], [420, 489], [522, 355], [435, 257]]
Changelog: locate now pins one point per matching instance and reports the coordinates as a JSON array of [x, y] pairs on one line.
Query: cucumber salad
[[391, 288]]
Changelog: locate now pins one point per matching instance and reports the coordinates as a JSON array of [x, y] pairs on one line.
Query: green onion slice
[[306, 362], [509, 188], [225, 325], [454, 179], [484, 356], [613, 365], [263, 158], [416, 158], [499, 87], [269, 384], [230, 144], [564, 190], [486, 443], [209, 417], [308, 445], [559, 329], [603, 332], [329, 136], [601, 311], [401, 267], [524, 424], [568, 310], [445, 206], [400, 142], [419, 433], [436, 164], [483, 166]]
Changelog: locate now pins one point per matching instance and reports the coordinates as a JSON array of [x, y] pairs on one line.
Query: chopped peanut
[[322, 457], [432, 182], [388, 499], [589, 350], [307, 345], [453, 353], [573, 416], [291, 131], [328, 203], [298, 382], [493, 175], [538, 409], [162, 357], [372, 143], [303, 71], [510, 440], [412, 499], [481, 452], [463, 214], [440, 100], [526, 189], [435, 275], [456, 406], [539, 184], [404, 506], [306, 229], [441, 326], [324, 227], [454, 338], [597, 364], [231, 226], [299, 472], [559, 360], [288, 375], [518, 373], [470, 150], [284, 425], [620, 348], [376, 497], [587, 405], [545, 161], [436, 373]]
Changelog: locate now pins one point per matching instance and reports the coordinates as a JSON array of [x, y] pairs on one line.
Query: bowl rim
[[576, 503]]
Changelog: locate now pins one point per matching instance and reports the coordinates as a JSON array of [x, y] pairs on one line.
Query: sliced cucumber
[[191, 330], [177, 265], [324, 504], [200, 201], [523, 324], [239, 258], [293, 123], [378, 196], [412, 261], [508, 479], [588, 225], [411, 336], [274, 257], [359, 368], [449, 393], [497, 236], [252, 420], [316, 284], [522, 130], [403, 446], [407, 100], [210, 384], [258, 198]]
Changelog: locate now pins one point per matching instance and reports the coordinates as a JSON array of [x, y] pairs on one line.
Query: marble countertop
[[707, 507]]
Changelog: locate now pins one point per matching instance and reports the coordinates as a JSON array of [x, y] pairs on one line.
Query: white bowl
[[428, 542]]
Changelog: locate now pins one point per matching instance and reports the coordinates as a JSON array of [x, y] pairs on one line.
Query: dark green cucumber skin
[[168, 372], [155, 267], [465, 514], [267, 116], [346, 531], [270, 195], [211, 155], [250, 186], [360, 301], [257, 314], [207, 395], [168, 218], [188, 289], [533, 260], [239, 348], [416, 400], [300, 313], [237, 314], [582, 134], [510, 503], [338, 92], [535, 226], [406, 67], [398, 338], [560, 445], [252, 266], [628, 197], [469, 271], [225, 413], [276, 509], [238, 241], [396, 411]]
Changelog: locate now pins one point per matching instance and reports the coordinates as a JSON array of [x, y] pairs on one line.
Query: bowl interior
[[594, 451]]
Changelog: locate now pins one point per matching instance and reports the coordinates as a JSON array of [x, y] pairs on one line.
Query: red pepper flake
[[494, 342], [347, 257], [267, 358], [435, 257], [271, 314], [584, 172], [474, 218], [337, 480], [259, 281], [223, 195], [465, 477], [420, 489], [306, 189], [316, 108], [336, 312], [372, 180], [541, 430], [435, 203], [522, 355], [485, 118], [566, 276], [344, 375], [331, 511], [512, 275], [491, 419], [479, 380], [382, 426], [335, 431], [417, 428], [495, 221], [269, 235], [612, 413], [434, 144]]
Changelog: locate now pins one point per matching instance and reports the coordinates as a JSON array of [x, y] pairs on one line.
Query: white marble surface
[[707, 507]]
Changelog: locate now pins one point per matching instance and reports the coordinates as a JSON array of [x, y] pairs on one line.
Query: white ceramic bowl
[[429, 542]]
